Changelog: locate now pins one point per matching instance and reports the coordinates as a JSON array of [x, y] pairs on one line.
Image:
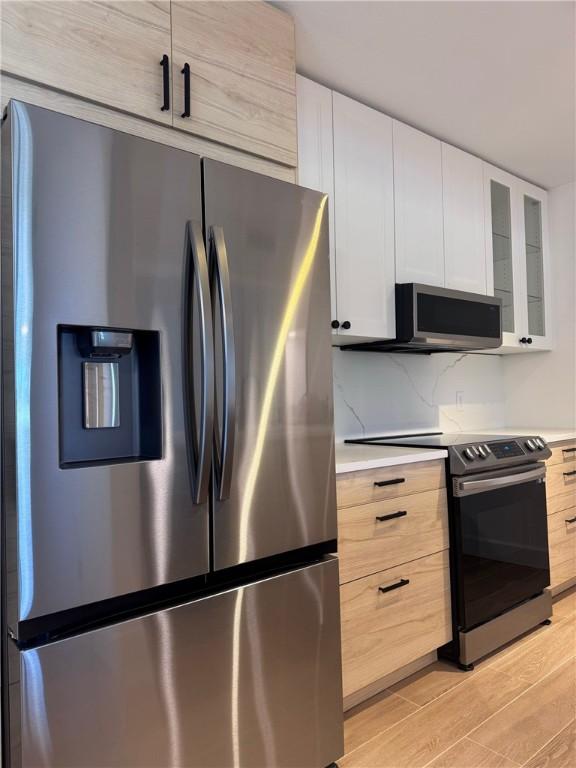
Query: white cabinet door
[[464, 239], [503, 263], [316, 154], [364, 206], [518, 259], [418, 207], [535, 292]]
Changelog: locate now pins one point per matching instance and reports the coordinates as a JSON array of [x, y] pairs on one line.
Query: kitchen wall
[[377, 393], [541, 388], [381, 393]]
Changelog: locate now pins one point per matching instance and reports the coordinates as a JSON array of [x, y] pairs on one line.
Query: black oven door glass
[[501, 550]]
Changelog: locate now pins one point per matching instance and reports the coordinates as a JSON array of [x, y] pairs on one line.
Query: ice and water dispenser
[[110, 395]]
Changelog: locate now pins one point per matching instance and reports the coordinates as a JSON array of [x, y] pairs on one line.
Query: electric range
[[499, 565]]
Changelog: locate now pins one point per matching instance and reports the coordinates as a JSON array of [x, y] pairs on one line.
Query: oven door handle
[[469, 487]]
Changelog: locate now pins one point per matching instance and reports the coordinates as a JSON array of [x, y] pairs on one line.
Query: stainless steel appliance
[[432, 319], [168, 489], [499, 562]]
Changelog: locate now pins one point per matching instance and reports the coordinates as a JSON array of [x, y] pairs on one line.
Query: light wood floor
[[517, 708]]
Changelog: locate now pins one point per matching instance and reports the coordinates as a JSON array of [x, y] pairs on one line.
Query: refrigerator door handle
[[200, 451], [224, 440]]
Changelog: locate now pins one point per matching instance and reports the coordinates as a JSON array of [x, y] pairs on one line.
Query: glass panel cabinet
[[517, 260]]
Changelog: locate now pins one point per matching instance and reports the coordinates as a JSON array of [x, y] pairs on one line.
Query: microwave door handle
[[201, 285], [469, 487], [226, 439]]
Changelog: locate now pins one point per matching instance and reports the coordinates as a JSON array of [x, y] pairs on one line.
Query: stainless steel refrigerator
[[168, 490]]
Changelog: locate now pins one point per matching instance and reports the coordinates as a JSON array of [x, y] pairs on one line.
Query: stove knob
[[487, 449], [540, 443], [481, 450], [531, 445], [470, 453]]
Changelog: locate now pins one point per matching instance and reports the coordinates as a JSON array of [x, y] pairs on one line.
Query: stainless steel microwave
[[432, 319]]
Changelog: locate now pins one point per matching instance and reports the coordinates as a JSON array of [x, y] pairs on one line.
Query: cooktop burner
[[470, 453]]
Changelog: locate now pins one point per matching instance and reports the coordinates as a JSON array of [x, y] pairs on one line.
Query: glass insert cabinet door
[[518, 258], [501, 234], [534, 265]]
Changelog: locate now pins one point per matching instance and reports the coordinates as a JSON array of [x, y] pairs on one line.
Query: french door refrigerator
[[168, 491]]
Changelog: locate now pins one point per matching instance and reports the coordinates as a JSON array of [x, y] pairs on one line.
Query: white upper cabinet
[[418, 207], [364, 221], [316, 154], [407, 208], [464, 236], [518, 259]]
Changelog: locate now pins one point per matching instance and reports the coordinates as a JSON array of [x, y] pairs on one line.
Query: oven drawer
[[562, 454], [389, 482], [410, 527], [562, 546], [561, 478], [383, 631]]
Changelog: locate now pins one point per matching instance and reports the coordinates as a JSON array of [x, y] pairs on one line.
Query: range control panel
[[475, 457]]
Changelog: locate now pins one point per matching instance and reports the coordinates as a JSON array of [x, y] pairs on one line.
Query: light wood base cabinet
[[562, 546], [382, 631], [389, 482], [561, 503], [391, 532]]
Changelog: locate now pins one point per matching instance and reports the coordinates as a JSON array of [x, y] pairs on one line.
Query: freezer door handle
[[224, 435], [199, 438]]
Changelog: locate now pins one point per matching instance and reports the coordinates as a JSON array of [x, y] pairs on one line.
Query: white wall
[[379, 393], [541, 388]]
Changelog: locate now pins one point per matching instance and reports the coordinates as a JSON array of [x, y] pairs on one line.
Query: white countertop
[[352, 458], [550, 435]]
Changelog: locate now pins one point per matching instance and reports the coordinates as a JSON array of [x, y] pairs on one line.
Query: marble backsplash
[[380, 393]]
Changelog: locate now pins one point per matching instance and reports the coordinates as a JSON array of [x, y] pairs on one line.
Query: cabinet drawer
[[562, 546], [560, 502], [561, 479], [562, 454], [416, 525], [389, 482], [383, 631]]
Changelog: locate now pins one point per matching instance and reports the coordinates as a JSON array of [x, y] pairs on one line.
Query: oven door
[[500, 542]]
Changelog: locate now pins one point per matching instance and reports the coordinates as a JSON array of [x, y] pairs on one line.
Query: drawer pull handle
[[400, 513], [571, 520], [401, 583], [569, 474], [568, 450], [395, 481]]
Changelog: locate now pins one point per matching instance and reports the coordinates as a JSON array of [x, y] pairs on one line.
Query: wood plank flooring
[[517, 708]]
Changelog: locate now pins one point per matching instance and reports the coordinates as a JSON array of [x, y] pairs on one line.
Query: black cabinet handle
[[400, 513], [529, 340], [335, 324], [401, 583], [346, 325], [523, 340], [165, 64], [571, 520], [395, 481], [186, 73], [569, 474], [568, 450]]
